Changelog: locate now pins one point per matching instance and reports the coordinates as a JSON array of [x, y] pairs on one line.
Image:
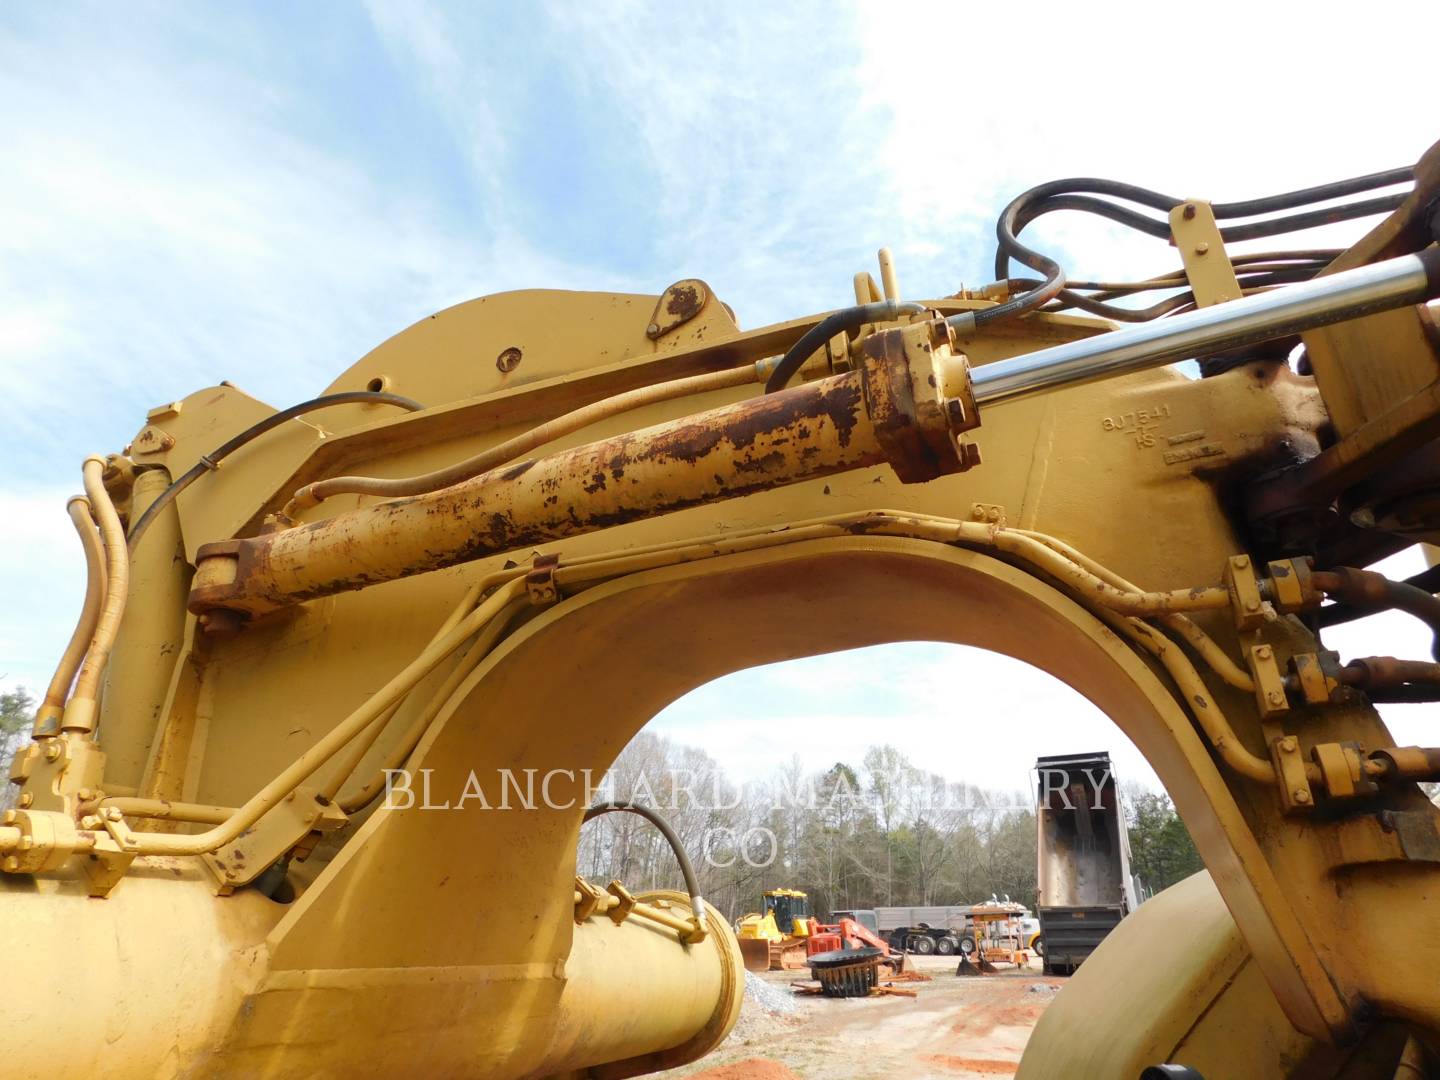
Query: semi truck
[[944, 929], [1084, 886]]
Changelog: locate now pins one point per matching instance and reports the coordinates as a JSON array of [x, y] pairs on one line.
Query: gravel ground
[[955, 1028]]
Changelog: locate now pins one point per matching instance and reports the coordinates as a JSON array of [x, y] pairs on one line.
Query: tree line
[[883, 832]]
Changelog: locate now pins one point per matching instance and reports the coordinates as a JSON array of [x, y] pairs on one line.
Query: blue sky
[[262, 193]]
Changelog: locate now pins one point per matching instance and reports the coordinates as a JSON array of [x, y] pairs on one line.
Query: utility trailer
[[1083, 882]]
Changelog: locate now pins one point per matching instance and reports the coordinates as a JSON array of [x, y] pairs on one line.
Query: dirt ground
[[955, 1028]]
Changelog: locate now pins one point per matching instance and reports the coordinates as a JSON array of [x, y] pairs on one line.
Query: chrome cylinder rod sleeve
[[1408, 279]]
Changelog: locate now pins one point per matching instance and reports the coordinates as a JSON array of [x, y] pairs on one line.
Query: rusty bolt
[[509, 359], [1300, 795], [26, 798], [1289, 744], [1189, 211], [653, 329]]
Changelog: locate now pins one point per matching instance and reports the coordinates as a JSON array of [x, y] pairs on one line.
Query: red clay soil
[[749, 1069], [1011, 1006], [972, 1065]]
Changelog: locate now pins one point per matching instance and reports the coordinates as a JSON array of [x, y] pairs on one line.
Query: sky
[[263, 192]]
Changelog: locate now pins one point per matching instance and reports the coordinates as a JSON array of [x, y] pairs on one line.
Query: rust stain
[[683, 301]]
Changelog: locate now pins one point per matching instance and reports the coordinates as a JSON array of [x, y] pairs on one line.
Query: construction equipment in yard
[[997, 937], [1084, 885], [775, 940], [328, 641], [847, 972]]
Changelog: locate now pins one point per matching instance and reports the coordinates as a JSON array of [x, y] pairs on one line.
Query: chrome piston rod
[[1408, 279]]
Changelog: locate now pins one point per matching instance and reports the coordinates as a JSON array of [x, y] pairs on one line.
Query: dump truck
[[1084, 886]]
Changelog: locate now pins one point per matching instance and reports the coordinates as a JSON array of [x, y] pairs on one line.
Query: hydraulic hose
[[1079, 193], [80, 712], [505, 452], [59, 689], [337, 738], [846, 321], [692, 884], [1376, 592], [1427, 580], [254, 431]]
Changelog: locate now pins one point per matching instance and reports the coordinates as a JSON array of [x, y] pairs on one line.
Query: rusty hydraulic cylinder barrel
[[906, 405]]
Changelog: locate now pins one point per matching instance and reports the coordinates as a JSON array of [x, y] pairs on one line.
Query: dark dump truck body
[[1083, 881]]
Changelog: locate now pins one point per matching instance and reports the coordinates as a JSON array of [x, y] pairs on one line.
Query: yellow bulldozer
[[304, 794], [775, 939]]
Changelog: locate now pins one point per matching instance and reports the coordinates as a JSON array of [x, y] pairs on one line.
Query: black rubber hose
[[254, 431], [1305, 196], [847, 321], [1368, 589], [1428, 581], [1311, 218], [692, 883]]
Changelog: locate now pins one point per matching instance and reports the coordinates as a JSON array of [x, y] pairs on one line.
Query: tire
[[967, 946], [946, 946], [1039, 945], [922, 944]]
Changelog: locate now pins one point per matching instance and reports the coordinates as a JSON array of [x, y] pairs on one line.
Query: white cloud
[[189, 199]]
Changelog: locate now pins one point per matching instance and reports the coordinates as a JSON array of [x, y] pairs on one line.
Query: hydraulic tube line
[[1382, 286]]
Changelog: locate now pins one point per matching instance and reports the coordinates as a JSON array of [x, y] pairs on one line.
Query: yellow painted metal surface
[[740, 530]]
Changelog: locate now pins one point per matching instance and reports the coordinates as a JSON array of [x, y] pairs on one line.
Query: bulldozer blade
[[756, 954], [965, 967]]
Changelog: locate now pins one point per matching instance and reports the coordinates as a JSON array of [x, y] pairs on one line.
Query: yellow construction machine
[[774, 940], [304, 794]]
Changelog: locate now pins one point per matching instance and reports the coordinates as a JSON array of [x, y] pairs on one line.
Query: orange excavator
[[847, 934]]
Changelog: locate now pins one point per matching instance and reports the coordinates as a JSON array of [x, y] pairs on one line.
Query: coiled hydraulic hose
[[846, 321], [253, 432], [1079, 193], [692, 884]]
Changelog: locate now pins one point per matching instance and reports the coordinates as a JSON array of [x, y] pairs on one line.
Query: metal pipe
[[504, 453], [47, 717], [1382, 286], [81, 709], [335, 740]]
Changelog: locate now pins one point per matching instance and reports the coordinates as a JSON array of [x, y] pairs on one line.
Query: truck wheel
[[1039, 945], [946, 946], [967, 946], [922, 944]]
